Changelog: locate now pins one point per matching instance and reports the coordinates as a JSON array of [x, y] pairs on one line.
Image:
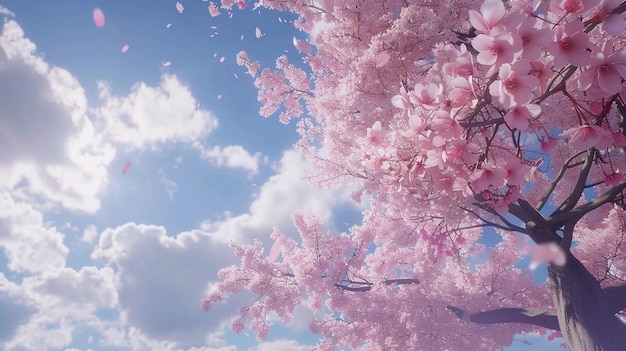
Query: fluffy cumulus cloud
[[231, 156], [50, 150], [162, 279], [29, 244], [150, 116], [278, 198]]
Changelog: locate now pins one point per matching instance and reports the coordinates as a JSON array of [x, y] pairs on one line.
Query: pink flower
[[548, 252], [428, 96], [401, 100], [614, 179], [569, 6], [491, 13], [488, 176], [519, 115], [213, 10], [376, 134], [605, 72], [462, 92], [534, 37], [416, 125], [542, 72], [548, 144], [610, 22], [570, 45], [588, 136], [241, 4], [497, 48], [515, 85]]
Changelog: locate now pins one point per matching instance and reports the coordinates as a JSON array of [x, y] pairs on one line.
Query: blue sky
[[95, 259]]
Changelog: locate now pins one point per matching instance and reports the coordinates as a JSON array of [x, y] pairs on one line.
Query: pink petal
[[303, 46], [179, 7], [126, 167], [614, 25], [258, 32], [98, 17], [275, 251], [222, 59], [382, 59], [125, 48]]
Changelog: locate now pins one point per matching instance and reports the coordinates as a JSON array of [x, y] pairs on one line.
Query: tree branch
[[366, 286], [579, 212], [557, 179], [541, 317], [571, 200]]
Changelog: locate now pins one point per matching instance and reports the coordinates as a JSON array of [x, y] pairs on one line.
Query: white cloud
[[88, 288], [150, 116], [13, 304], [49, 146], [29, 245], [278, 198], [6, 12], [282, 345], [231, 156], [89, 234], [162, 280]]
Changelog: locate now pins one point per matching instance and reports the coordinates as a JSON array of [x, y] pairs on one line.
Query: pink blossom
[[375, 134], [588, 136], [548, 144], [610, 22], [401, 100], [491, 13], [462, 92], [519, 115], [98, 17], [570, 45], [241, 4], [515, 85], [605, 72], [548, 252], [614, 179], [416, 125], [569, 6], [534, 37], [428, 95], [213, 10], [487, 176], [542, 71], [498, 47]]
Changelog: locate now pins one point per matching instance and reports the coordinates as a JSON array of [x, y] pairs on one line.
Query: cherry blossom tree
[[454, 119]]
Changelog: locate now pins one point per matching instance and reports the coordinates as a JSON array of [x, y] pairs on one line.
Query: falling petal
[[236, 76], [125, 48], [222, 59], [219, 96], [258, 32], [166, 63], [241, 37], [382, 59], [213, 27], [275, 251], [126, 167], [98, 17], [179, 7], [168, 25], [215, 54], [302, 46]]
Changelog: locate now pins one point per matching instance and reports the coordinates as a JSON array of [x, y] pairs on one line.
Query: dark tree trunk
[[586, 320]]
